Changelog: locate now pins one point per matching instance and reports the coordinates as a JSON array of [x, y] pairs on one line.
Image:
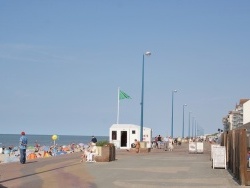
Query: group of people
[[88, 155], [90, 152], [165, 143]]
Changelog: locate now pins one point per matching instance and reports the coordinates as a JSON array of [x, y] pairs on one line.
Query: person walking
[[159, 141], [170, 144], [165, 140], [23, 146], [137, 146]]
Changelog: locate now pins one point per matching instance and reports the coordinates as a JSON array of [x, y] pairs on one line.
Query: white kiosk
[[123, 135]]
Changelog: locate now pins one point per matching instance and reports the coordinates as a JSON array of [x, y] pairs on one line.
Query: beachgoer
[[72, 147], [86, 150], [37, 146], [137, 146], [159, 141], [165, 140], [170, 144], [156, 144], [23, 145], [91, 154], [94, 140]]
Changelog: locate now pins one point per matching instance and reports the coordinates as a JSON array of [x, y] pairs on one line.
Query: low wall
[[107, 154]]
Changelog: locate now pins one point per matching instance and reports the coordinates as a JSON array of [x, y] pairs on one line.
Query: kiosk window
[[114, 135], [133, 131]]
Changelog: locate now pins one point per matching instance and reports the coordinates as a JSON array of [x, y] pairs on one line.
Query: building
[[246, 111], [123, 135], [234, 119]]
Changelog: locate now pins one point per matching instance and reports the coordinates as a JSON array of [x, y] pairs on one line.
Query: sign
[[195, 147], [219, 157], [212, 150], [192, 147], [199, 147]]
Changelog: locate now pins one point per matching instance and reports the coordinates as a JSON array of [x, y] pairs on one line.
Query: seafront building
[[239, 117]]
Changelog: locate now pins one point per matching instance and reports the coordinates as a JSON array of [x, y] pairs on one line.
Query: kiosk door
[[124, 140]]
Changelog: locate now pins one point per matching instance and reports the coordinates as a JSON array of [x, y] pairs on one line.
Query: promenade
[[156, 169]]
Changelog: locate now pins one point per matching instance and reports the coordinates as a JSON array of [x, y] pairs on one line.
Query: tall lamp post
[[198, 130], [193, 127], [172, 123], [189, 126], [183, 122], [142, 95]]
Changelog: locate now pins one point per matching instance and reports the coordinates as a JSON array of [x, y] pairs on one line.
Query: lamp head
[[147, 53]]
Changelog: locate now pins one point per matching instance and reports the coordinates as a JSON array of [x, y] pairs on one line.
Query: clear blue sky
[[61, 63]]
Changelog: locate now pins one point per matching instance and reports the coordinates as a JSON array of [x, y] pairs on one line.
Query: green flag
[[123, 95]]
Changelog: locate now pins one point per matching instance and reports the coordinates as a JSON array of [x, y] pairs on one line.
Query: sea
[[7, 140]]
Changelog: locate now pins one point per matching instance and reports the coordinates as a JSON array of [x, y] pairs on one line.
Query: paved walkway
[[156, 169]]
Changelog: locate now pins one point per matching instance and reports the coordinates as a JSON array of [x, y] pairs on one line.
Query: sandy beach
[[14, 156]]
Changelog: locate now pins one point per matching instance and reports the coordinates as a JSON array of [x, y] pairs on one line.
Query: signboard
[[219, 157], [199, 147], [195, 147], [192, 147], [212, 150]]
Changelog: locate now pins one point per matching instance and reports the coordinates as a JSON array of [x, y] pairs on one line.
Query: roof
[[127, 126], [242, 101]]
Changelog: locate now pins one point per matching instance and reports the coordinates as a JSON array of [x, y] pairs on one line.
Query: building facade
[[234, 118]]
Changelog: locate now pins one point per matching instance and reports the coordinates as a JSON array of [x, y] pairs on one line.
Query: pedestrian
[[94, 140], [137, 146], [165, 140], [156, 142], [23, 146], [159, 141], [170, 144]]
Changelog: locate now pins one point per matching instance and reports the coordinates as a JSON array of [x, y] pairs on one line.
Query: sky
[[61, 63]]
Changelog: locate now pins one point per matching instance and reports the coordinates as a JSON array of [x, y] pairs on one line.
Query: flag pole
[[118, 106]]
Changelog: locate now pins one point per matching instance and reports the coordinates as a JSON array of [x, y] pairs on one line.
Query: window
[[114, 135], [133, 131]]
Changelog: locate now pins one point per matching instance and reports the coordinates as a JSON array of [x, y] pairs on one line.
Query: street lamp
[[183, 121], [172, 123], [142, 94], [189, 126], [193, 127]]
